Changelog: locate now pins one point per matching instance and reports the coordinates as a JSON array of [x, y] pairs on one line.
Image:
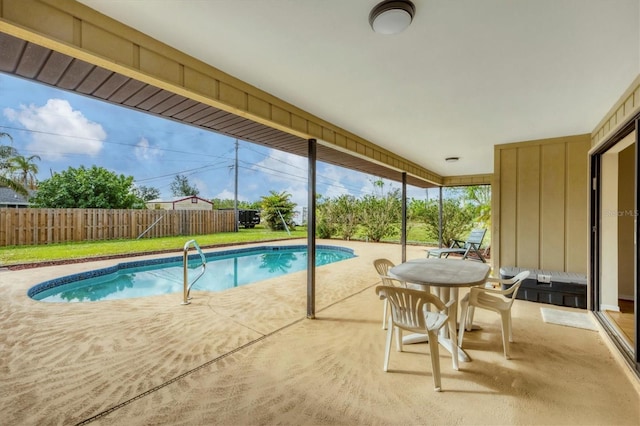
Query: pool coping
[[68, 279]]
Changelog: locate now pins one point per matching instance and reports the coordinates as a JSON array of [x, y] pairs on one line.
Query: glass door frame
[[595, 221]]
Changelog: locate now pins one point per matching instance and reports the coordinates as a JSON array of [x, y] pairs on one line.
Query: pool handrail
[[185, 260]]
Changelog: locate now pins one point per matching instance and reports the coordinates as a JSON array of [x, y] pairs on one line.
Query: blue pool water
[[226, 269]]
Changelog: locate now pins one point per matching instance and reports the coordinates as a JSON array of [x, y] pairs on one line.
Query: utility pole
[[235, 198]]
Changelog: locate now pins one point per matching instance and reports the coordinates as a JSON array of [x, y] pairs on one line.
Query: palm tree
[[26, 169], [7, 152], [276, 209]]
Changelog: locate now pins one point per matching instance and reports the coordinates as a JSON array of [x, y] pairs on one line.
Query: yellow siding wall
[[540, 204]]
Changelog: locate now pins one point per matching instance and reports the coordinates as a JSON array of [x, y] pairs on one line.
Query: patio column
[[403, 234], [440, 217], [235, 198], [311, 232]]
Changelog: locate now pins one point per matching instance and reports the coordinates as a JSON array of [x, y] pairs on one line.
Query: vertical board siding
[[552, 207], [528, 212], [542, 207], [508, 207], [20, 227]]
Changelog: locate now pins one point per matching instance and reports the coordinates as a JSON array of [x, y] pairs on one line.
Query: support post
[[235, 199], [311, 232], [440, 217], [403, 235]]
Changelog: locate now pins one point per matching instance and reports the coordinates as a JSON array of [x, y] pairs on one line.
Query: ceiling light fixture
[[391, 17], [451, 159]]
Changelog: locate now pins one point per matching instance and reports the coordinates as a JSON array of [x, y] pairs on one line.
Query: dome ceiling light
[[391, 17]]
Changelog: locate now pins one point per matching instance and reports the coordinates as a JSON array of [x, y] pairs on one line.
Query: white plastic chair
[[409, 311], [382, 267], [495, 300]]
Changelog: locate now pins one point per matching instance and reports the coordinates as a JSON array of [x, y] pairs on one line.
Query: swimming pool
[[225, 269]]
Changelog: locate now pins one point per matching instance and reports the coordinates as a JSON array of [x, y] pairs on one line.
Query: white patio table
[[446, 276]]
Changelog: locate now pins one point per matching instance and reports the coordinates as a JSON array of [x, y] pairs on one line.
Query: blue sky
[[69, 130]]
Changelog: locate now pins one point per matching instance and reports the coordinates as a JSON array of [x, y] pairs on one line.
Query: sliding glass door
[[614, 251]]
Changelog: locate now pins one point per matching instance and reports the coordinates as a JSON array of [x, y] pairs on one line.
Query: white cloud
[[144, 152], [369, 188], [58, 130], [280, 166], [335, 173], [335, 190], [285, 172], [202, 187], [298, 195], [288, 173], [333, 179]]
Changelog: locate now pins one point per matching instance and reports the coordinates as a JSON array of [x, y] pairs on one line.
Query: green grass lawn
[[16, 255]]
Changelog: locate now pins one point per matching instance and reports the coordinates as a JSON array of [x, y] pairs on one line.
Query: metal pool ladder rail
[[185, 261]]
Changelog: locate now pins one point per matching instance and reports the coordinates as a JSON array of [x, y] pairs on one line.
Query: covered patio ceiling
[[463, 77], [466, 75], [31, 61]]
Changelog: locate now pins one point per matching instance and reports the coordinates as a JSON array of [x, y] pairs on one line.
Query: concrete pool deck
[[249, 356]]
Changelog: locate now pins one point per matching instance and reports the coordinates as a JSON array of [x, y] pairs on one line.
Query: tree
[[6, 153], [457, 220], [479, 196], [346, 215], [181, 187], [380, 214], [147, 193], [325, 224], [96, 187], [219, 203], [275, 208], [462, 209], [25, 169]]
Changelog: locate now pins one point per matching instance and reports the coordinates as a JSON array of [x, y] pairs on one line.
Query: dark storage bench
[[562, 289]]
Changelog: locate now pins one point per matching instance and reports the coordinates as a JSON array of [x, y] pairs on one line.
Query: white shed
[[191, 202]]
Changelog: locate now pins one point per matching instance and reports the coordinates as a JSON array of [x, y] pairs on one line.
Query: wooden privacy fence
[[45, 226]]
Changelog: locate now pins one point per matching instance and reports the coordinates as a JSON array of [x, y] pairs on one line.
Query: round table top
[[442, 272]]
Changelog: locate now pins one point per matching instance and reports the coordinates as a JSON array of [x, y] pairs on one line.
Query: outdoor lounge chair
[[469, 249]]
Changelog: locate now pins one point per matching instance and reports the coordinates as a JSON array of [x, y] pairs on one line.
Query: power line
[[105, 141], [193, 171], [323, 179], [327, 181]]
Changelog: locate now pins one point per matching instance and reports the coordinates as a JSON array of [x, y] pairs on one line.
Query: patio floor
[[249, 356]]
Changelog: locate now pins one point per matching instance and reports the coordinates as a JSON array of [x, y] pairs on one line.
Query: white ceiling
[[466, 75]]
